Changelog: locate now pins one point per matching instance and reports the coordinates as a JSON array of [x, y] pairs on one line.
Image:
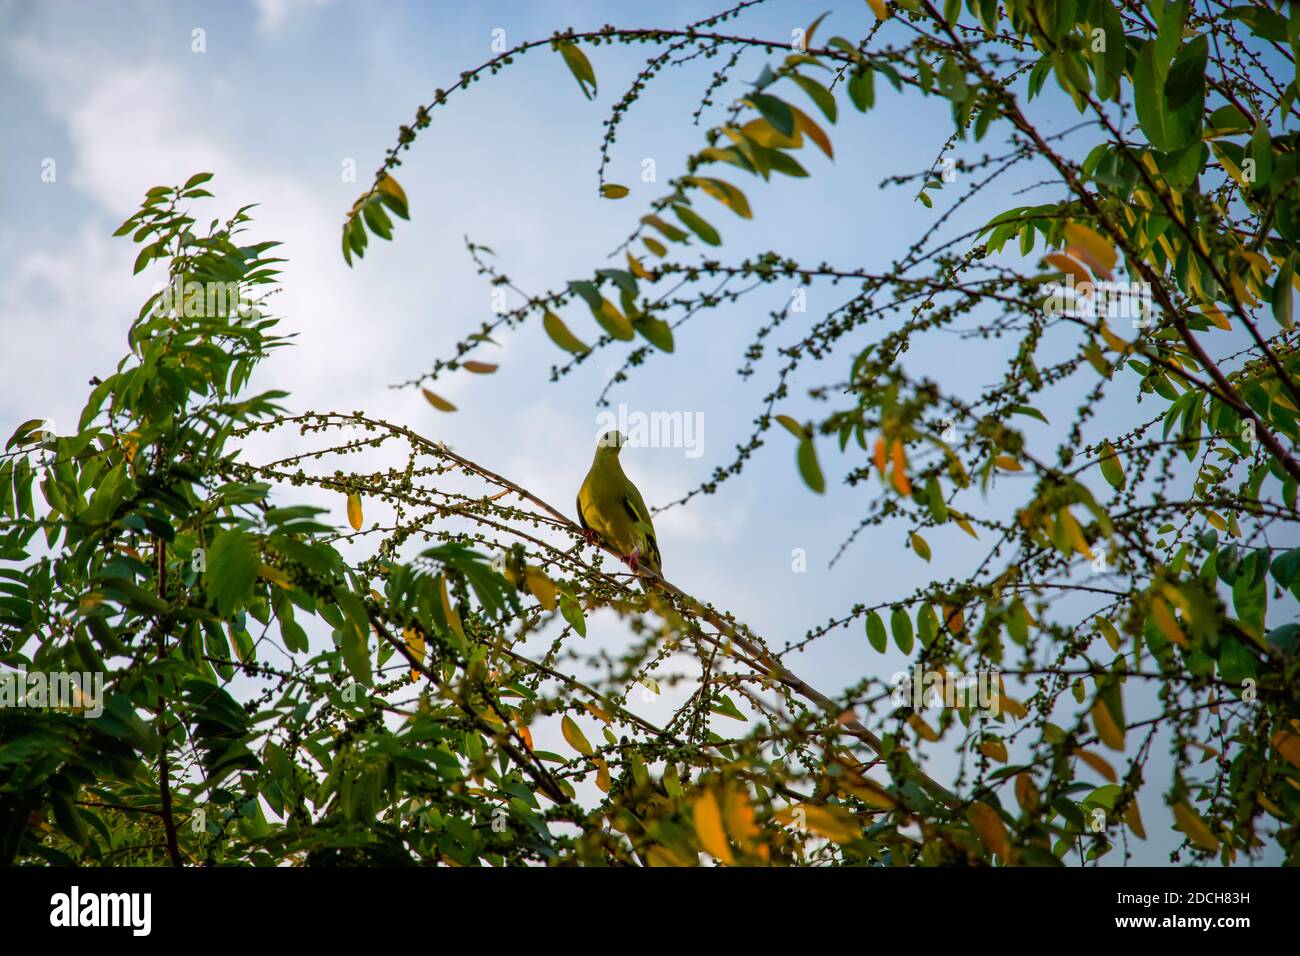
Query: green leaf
[[232, 564], [820, 95], [876, 632], [695, 224], [775, 111], [808, 467], [901, 626]]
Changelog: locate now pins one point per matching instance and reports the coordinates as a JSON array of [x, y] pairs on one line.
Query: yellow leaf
[[1026, 794], [543, 588], [1073, 533], [1007, 463], [868, 791], [923, 729], [1091, 248], [834, 823], [765, 134], [561, 336], [815, 133], [1288, 745], [639, 270], [1134, 820], [354, 511], [992, 832], [437, 401], [994, 750], [1211, 312], [1190, 822], [453, 619], [613, 191], [1114, 341], [275, 576], [1109, 732], [1164, 619], [1011, 706], [920, 546], [708, 827], [479, 368], [602, 775], [1099, 764], [738, 814], [601, 715], [879, 9], [527, 735], [662, 856], [573, 734], [415, 644]]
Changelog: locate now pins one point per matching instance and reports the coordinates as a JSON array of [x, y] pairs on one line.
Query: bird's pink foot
[[633, 560], [590, 537]]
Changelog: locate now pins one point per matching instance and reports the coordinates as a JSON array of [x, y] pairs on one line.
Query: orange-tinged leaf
[[707, 816], [1063, 263], [879, 456], [899, 475], [879, 8], [1007, 463], [738, 814], [992, 832], [1092, 248], [479, 368], [354, 511], [1099, 764], [602, 775], [527, 736], [437, 401]]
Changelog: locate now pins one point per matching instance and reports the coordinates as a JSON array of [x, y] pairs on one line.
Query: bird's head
[[610, 443]]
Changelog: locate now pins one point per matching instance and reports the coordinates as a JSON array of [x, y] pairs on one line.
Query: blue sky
[[288, 91]]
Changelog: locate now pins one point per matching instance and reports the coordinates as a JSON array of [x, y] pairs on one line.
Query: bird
[[610, 509]]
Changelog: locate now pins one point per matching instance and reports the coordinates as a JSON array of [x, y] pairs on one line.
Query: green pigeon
[[612, 510]]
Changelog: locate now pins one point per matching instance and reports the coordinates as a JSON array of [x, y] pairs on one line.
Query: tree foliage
[[1138, 570]]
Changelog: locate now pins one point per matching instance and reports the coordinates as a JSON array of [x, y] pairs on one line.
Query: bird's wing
[[582, 519], [640, 515]]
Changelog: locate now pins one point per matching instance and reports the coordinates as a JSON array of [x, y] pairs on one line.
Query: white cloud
[[272, 14]]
